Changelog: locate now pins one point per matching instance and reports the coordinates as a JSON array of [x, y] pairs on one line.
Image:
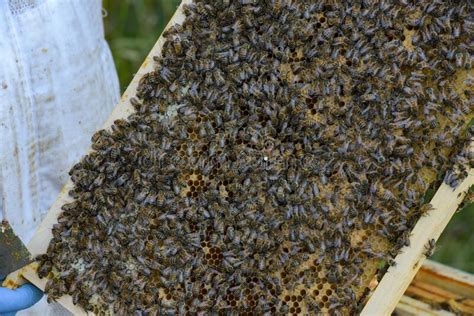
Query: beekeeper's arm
[[58, 85]]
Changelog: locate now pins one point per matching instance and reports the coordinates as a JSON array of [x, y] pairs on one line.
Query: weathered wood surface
[[438, 290]]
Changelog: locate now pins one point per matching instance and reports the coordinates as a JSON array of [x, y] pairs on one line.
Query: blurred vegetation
[[456, 245], [132, 28]]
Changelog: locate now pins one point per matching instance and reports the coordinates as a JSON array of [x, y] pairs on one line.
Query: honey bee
[[430, 248]]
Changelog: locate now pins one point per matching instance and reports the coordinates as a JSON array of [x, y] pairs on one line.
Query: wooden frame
[[394, 283], [390, 289], [438, 290]]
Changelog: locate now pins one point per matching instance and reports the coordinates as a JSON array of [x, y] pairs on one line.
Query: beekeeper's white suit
[[58, 85]]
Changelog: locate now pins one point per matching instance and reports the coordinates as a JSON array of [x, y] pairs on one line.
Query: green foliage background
[[456, 245], [133, 26]]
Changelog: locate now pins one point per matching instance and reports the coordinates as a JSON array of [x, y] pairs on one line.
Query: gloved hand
[[12, 301]]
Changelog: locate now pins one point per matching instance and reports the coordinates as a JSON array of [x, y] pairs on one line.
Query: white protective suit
[[58, 84]]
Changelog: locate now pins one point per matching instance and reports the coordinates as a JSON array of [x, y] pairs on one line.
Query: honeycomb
[[303, 138]]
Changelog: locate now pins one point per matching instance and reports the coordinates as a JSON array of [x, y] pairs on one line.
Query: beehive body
[[314, 283], [439, 289]]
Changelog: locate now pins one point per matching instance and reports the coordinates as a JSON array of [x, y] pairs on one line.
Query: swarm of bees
[[277, 158]]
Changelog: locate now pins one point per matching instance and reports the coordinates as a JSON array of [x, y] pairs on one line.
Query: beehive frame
[[438, 289], [391, 287]]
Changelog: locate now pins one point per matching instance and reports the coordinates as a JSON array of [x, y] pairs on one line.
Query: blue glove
[[12, 301]]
